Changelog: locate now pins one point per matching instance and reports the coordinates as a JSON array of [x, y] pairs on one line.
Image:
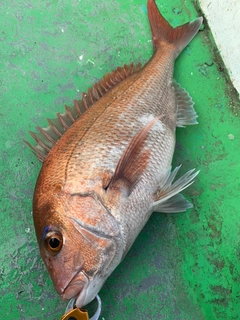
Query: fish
[[107, 165]]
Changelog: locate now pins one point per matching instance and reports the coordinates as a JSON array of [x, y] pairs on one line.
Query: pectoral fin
[[133, 161], [168, 198]]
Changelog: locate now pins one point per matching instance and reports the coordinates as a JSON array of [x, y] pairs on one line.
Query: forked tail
[[163, 33]]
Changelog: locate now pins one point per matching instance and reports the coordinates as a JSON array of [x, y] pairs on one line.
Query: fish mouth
[[76, 289]]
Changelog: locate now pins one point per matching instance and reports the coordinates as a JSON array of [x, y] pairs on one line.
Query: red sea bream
[[107, 165]]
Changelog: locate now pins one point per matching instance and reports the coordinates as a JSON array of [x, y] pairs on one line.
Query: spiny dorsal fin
[[47, 137], [134, 160]]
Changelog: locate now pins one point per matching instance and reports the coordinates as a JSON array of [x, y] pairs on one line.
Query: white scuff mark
[[62, 29], [8, 144], [231, 136], [27, 230], [90, 61], [119, 54], [80, 57]]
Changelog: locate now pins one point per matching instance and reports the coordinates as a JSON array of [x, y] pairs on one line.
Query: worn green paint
[[182, 266]]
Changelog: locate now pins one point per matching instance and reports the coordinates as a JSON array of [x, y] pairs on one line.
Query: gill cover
[[99, 231]]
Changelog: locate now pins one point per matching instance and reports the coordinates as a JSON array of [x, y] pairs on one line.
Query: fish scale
[[109, 167]]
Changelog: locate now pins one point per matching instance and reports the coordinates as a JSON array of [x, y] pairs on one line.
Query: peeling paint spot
[[231, 136]]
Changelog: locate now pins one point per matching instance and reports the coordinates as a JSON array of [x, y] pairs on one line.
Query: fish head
[[79, 242]]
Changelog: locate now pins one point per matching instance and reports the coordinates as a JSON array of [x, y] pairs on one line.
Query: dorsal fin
[[186, 113], [47, 137]]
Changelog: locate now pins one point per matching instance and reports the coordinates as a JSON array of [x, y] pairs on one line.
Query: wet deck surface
[[182, 266]]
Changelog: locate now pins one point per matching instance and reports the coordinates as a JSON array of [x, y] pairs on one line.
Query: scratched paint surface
[[182, 266]]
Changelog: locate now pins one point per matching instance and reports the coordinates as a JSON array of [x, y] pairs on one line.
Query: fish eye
[[53, 242]]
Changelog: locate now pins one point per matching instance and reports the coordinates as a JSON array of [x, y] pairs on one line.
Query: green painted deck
[[182, 266]]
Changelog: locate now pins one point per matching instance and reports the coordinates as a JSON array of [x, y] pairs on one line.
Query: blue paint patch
[[144, 8], [176, 10], [188, 50], [45, 231], [176, 22]]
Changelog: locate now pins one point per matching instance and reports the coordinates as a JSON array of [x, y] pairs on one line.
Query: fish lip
[[76, 288]]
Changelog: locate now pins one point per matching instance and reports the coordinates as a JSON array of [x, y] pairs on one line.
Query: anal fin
[[167, 198], [175, 204], [186, 113]]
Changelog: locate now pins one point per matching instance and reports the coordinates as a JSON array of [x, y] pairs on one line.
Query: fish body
[[111, 168]]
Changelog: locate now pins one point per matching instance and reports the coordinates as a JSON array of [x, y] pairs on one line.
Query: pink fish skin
[[107, 165]]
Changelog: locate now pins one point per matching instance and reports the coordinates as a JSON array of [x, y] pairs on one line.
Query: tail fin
[[162, 32]]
